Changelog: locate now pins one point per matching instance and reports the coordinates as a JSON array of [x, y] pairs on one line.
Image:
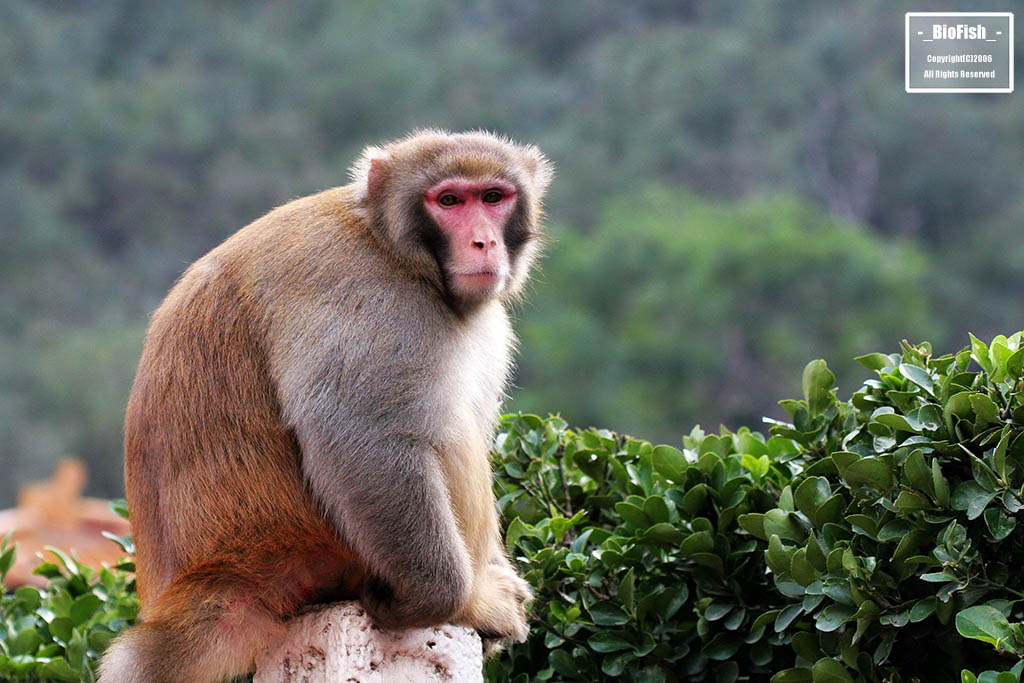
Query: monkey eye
[[493, 196], [448, 199]]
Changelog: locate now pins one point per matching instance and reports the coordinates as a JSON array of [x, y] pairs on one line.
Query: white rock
[[339, 644]]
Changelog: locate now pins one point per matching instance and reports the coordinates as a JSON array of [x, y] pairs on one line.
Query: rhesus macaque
[[312, 413]]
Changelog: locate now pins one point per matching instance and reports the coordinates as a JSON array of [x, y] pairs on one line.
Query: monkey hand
[[496, 608]]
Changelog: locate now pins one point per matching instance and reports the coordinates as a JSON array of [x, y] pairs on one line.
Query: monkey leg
[[496, 607], [192, 635]]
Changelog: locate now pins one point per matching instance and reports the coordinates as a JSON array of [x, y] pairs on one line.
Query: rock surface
[[339, 644]]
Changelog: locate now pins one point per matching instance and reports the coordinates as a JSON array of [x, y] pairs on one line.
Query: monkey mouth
[[479, 280], [480, 274]]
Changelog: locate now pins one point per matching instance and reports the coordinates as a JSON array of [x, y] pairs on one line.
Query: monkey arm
[[369, 459], [385, 495]]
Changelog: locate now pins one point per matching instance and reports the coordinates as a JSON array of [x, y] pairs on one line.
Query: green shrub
[[866, 540], [778, 281], [58, 633]]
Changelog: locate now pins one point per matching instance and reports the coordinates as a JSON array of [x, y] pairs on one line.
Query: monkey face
[[458, 211], [472, 215]]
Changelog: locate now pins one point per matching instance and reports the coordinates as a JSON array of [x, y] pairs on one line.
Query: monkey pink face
[[472, 215]]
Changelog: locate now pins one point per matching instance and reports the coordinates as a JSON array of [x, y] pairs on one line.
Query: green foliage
[[58, 633], [854, 537], [125, 157], [632, 551], [684, 309]]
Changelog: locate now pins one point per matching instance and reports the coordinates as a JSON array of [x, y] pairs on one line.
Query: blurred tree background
[[741, 187]]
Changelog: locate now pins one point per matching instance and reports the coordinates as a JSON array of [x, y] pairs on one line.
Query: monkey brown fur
[[311, 415]]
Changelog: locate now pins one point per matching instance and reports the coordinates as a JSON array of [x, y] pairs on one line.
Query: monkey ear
[[539, 167], [370, 173], [376, 177]]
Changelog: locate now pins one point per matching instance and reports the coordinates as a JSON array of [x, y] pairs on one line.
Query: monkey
[[311, 416]]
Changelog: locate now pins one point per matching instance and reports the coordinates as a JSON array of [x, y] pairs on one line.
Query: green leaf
[[918, 376], [863, 524], [969, 496], [723, 646], [753, 524], [780, 523], [875, 361], [61, 629], [829, 511], [606, 641], [801, 569], [58, 669], [918, 473], [982, 473], [811, 493], [694, 499], [985, 410], [698, 542], [909, 501], [844, 459], [786, 617], [1015, 364], [656, 509], [632, 514], [894, 530], [999, 353], [894, 421], [516, 530], [6, 561], [670, 463], [26, 642], [815, 553], [710, 560], [817, 382], [940, 484], [778, 556], [833, 616], [47, 569], [923, 609], [729, 672], [663, 533], [999, 524], [828, 670], [717, 610], [979, 352], [614, 665], [984, 623], [757, 466], [119, 507], [958, 405], [806, 645], [29, 597], [793, 676], [99, 639], [606, 613], [868, 471], [626, 589], [84, 607], [562, 663], [580, 542]]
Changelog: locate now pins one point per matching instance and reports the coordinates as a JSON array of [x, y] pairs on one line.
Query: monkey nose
[[485, 245]]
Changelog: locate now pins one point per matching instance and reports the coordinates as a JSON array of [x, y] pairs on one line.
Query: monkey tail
[[196, 633]]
